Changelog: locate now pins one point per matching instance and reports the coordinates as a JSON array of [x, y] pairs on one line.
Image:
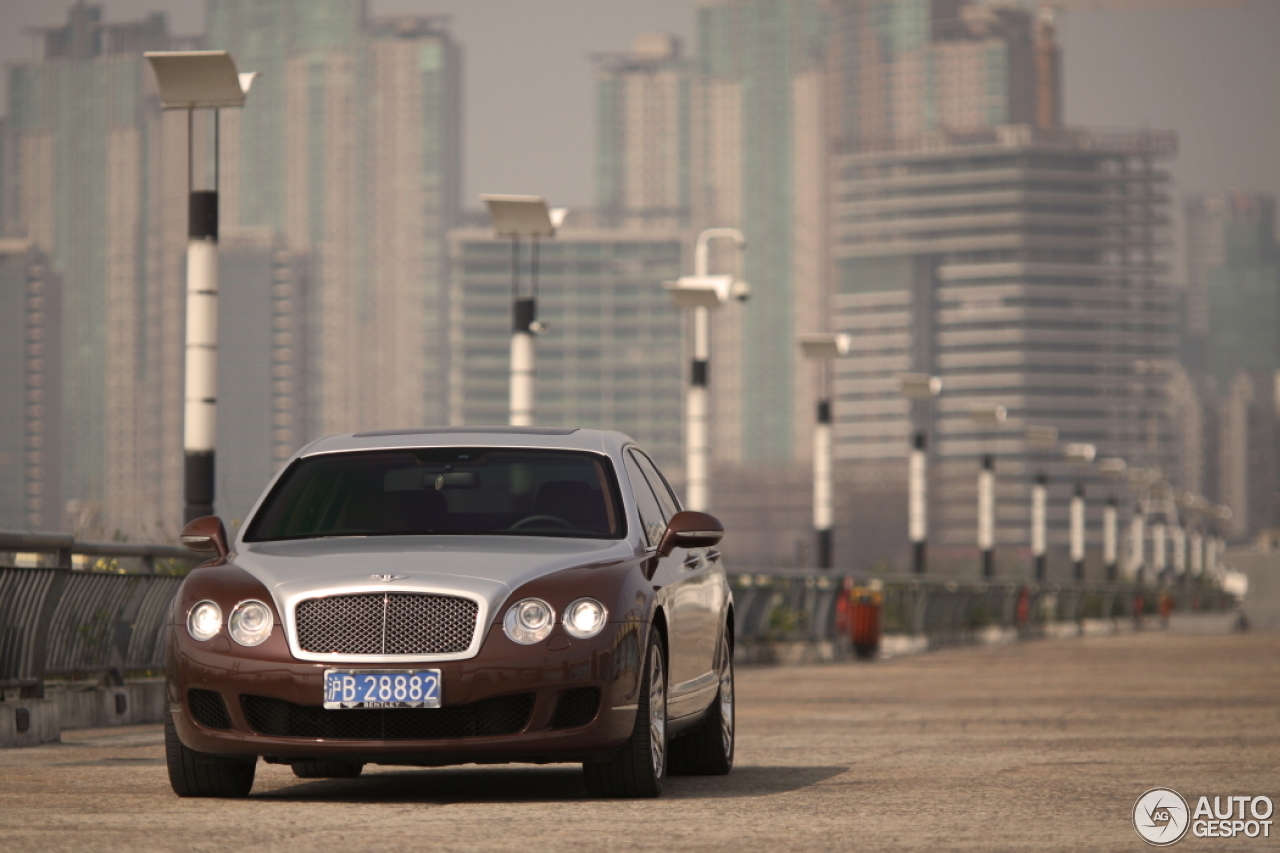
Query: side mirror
[[206, 535], [689, 529]]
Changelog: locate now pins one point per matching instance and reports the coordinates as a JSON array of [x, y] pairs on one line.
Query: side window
[[661, 488], [651, 518]]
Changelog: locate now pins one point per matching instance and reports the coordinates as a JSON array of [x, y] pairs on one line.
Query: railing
[[56, 621], [804, 605]]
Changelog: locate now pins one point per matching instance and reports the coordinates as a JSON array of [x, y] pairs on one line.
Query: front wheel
[[708, 749], [640, 767], [199, 774]]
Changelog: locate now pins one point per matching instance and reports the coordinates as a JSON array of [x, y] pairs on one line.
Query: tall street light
[[1139, 479], [823, 348], [1112, 469], [919, 389], [989, 417], [1041, 438], [517, 216], [1079, 455], [193, 80], [701, 292]]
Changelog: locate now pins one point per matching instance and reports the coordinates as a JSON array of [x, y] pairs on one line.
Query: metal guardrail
[[56, 621], [62, 622], [804, 606]]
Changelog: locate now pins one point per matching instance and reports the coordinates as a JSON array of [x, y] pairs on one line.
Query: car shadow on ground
[[533, 784]]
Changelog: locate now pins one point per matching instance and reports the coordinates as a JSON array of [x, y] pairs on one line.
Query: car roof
[[559, 438]]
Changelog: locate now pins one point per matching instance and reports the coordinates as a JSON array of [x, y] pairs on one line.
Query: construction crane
[[1048, 72]]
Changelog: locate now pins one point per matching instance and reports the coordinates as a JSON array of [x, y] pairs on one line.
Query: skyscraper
[[1024, 266], [352, 150], [30, 386], [1233, 284], [643, 133], [759, 144], [899, 68], [88, 185]]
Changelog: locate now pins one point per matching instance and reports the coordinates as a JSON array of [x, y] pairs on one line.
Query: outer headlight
[[250, 622], [585, 618], [529, 621], [204, 621]]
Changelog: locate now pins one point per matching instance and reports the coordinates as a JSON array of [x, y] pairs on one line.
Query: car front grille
[[502, 715], [386, 623]]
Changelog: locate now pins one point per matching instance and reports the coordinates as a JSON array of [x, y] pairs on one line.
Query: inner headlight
[[250, 622], [204, 621], [528, 621], [585, 618]]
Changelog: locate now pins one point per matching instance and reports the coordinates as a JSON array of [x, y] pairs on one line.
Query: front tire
[[323, 769], [708, 749], [640, 768], [199, 774]]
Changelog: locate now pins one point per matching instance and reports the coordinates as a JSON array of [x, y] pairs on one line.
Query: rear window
[[443, 491]]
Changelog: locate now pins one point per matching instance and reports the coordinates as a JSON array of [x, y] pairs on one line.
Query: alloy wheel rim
[[657, 715], [726, 706]]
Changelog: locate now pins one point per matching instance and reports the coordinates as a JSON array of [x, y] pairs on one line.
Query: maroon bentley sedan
[[447, 596]]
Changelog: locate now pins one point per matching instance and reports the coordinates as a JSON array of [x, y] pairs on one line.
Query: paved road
[[1037, 746]]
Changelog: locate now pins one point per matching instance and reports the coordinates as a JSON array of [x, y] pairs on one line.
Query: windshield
[[443, 491]]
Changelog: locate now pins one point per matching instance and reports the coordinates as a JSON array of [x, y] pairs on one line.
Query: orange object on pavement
[[866, 621]]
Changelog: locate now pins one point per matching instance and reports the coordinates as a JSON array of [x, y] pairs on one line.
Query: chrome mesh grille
[[386, 623]]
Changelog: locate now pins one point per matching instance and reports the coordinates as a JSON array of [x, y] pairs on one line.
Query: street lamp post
[[1112, 469], [1139, 479], [919, 389], [193, 80], [517, 216], [1042, 438], [1079, 455], [823, 348], [701, 292], [991, 417]]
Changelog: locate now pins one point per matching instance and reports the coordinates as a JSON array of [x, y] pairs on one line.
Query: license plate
[[381, 688]]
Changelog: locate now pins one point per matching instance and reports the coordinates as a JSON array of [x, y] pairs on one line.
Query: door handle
[[692, 561], [713, 555]]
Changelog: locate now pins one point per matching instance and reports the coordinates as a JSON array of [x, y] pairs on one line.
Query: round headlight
[[585, 618], [250, 623], [528, 621], [204, 621]]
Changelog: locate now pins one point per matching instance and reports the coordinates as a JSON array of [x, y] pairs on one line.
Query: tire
[[199, 774], [708, 749], [322, 769], [639, 768]]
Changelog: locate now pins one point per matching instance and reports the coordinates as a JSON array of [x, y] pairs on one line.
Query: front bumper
[[274, 703]]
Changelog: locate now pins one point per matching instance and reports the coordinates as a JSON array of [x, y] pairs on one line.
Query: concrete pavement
[[1042, 745]]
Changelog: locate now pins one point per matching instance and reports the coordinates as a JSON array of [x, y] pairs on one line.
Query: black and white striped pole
[[989, 417], [192, 80], [823, 348], [1040, 438], [1080, 456], [700, 293], [517, 216], [919, 389], [1111, 469]]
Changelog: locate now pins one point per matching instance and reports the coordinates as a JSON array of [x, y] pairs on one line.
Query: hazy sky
[[1213, 75]]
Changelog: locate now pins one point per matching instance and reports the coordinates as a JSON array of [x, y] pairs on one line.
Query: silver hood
[[484, 569]]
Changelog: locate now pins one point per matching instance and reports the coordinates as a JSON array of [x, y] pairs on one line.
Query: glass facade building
[[611, 357]]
